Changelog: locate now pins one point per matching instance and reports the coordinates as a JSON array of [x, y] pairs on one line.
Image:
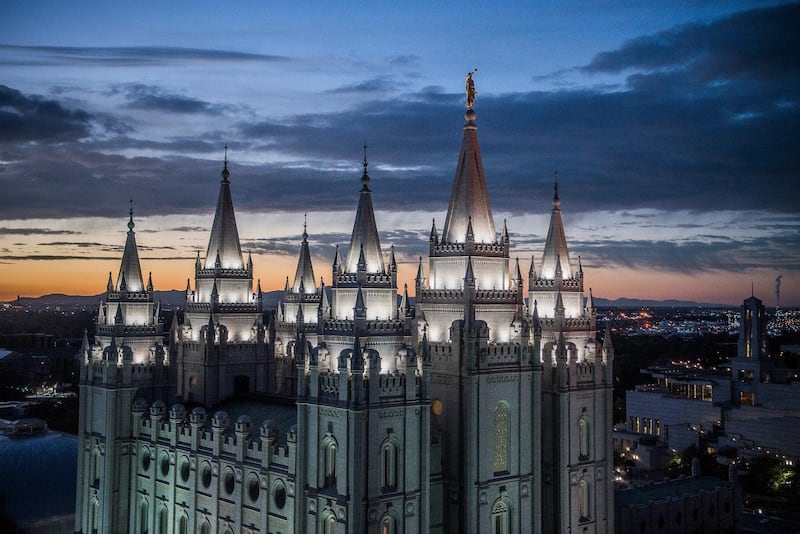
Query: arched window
[[143, 517], [501, 437], [389, 466], [183, 524], [387, 525], [584, 499], [328, 523], [329, 461], [205, 527], [163, 518], [584, 438], [501, 517]]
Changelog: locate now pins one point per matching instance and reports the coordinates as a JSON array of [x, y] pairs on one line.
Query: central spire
[[304, 275], [365, 231], [224, 241], [469, 198], [130, 272]]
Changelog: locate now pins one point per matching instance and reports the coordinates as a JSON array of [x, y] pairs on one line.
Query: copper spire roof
[[555, 248], [224, 241], [365, 231], [130, 273], [469, 198], [304, 276]]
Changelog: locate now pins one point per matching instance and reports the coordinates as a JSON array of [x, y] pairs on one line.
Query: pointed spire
[[110, 284], [362, 261], [157, 313], [249, 261], [469, 276], [150, 281], [580, 266], [119, 318], [365, 231], [304, 279], [218, 262], [392, 260], [561, 347], [405, 304], [360, 308], [214, 293], [224, 238], [357, 362], [559, 309], [590, 302], [130, 273], [469, 196], [505, 231], [556, 244], [287, 288], [559, 274], [85, 342], [188, 290], [434, 234], [470, 235], [518, 275], [101, 313], [258, 290], [197, 264], [535, 314], [420, 273], [532, 269], [336, 260]]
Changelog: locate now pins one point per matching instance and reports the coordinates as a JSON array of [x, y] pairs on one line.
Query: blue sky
[[673, 125]]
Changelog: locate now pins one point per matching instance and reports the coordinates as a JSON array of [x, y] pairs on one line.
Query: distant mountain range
[[177, 297]]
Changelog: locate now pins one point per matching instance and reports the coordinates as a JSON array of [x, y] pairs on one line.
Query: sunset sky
[[674, 127]]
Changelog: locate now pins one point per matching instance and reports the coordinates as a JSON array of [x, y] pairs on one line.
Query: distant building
[[470, 412], [753, 410]]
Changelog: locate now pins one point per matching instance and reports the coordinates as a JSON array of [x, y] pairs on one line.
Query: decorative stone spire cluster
[[224, 249], [364, 239]]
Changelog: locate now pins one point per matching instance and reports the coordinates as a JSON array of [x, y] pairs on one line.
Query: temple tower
[[483, 382], [223, 348], [362, 407], [127, 359]]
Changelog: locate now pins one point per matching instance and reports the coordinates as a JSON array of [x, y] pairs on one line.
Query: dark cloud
[[153, 98], [381, 84], [35, 231], [122, 56], [33, 118], [760, 44]]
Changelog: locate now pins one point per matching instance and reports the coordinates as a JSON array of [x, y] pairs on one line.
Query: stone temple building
[[482, 406]]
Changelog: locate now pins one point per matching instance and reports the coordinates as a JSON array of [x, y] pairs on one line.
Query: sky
[[674, 128]]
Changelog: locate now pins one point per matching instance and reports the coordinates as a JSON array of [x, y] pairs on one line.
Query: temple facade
[[479, 406]]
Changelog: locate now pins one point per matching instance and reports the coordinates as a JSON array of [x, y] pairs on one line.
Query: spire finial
[[130, 221], [305, 226], [225, 171], [556, 200], [365, 176], [470, 88]]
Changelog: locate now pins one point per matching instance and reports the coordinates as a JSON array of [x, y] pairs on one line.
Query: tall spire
[[304, 275], [365, 231], [555, 247], [224, 240], [130, 273], [469, 196]]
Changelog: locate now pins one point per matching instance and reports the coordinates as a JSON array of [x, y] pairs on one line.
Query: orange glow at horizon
[[33, 278]]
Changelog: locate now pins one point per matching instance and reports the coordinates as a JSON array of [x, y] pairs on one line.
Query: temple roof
[[555, 248], [365, 232], [130, 273], [304, 276], [469, 198], [224, 240]]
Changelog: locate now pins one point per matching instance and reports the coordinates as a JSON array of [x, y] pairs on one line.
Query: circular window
[[145, 459], [229, 480], [205, 475], [279, 495], [164, 464], [185, 469], [437, 407], [253, 488]]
